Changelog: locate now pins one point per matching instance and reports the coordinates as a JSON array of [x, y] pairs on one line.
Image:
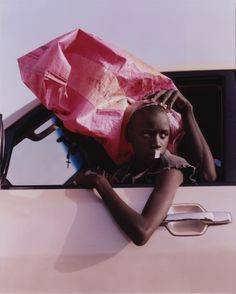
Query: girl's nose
[[156, 142]]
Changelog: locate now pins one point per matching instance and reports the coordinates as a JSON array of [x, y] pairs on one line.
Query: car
[[58, 237]]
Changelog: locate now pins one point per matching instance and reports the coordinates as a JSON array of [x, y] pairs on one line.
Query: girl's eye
[[146, 135], [164, 135]]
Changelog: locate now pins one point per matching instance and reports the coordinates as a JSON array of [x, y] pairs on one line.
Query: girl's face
[[149, 131]]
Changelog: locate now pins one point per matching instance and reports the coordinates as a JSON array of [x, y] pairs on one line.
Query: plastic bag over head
[[89, 84]]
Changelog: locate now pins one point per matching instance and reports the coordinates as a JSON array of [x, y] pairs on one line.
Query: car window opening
[[46, 154]]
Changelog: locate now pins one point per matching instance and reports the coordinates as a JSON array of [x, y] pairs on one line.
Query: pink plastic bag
[[88, 83]]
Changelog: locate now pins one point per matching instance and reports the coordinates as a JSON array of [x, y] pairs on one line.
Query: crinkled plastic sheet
[[89, 83]]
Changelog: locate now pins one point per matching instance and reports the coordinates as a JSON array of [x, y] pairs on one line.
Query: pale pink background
[[169, 34]]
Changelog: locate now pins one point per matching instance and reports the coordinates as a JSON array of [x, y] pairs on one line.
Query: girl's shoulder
[[170, 160]]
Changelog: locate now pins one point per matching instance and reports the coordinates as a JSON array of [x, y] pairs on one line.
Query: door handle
[[210, 218], [191, 219]]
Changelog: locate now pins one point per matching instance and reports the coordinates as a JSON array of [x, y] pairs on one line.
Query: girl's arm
[[139, 227], [199, 152]]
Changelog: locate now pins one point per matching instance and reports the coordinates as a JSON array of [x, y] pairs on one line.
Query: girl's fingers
[[172, 99], [159, 94], [169, 98]]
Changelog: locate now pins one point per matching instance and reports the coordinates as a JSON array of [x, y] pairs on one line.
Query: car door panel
[[65, 241]]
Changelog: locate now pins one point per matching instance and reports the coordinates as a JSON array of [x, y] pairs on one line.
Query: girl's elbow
[[142, 236], [206, 174], [210, 176], [140, 240]]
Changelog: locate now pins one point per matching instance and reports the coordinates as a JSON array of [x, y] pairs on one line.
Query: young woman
[[148, 131]]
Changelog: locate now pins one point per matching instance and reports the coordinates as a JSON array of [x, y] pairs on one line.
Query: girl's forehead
[[152, 116]]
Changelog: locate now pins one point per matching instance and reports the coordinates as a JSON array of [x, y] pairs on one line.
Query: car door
[[65, 241]]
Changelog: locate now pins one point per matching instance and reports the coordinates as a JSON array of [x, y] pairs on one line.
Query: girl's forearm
[[201, 150], [131, 222], [140, 227]]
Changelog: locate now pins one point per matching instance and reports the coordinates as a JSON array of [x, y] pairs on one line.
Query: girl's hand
[[87, 180], [91, 180], [174, 99]]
